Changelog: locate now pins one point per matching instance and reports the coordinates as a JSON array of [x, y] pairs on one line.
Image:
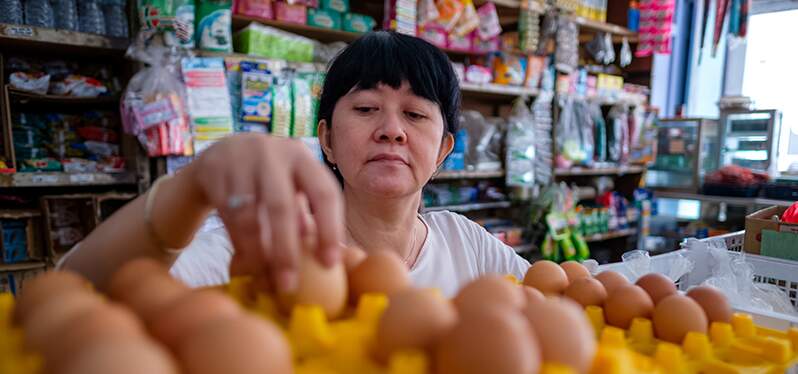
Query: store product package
[[270, 42], [214, 22], [485, 139], [354, 22], [520, 147], [489, 26], [282, 106], [767, 220], [288, 12], [341, 6], [255, 8], [324, 18], [207, 100], [174, 18], [152, 106], [256, 98]]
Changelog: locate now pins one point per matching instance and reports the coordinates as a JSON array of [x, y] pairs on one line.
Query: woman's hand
[[258, 184]]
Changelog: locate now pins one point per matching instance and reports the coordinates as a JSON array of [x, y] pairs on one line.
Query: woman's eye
[[415, 116], [365, 109]]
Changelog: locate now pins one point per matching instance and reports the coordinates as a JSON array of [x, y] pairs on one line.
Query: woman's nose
[[391, 130]]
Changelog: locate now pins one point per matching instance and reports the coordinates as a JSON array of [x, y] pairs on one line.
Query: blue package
[[256, 96]]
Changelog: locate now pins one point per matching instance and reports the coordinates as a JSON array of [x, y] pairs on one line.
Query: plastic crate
[[779, 272], [15, 241]]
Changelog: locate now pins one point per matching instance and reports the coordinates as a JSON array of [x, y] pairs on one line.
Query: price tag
[[81, 178], [18, 31], [44, 179]]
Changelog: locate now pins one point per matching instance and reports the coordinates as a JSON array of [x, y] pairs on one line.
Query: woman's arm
[[253, 180], [178, 210]]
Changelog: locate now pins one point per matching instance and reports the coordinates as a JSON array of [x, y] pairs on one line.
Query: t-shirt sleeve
[[206, 261], [493, 256]]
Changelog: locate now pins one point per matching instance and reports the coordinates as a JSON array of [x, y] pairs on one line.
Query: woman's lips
[[389, 157]]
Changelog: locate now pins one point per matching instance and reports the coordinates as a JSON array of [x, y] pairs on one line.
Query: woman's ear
[[446, 148], [324, 139]]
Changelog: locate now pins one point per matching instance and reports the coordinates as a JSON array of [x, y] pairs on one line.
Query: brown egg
[[489, 289], [191, 311], [318, 285], [675, 316], [382, 272], [657, 286], [353, 256], [574, 270], [134, 356], [532, 295], [627, 303], [547, 277], [492, 339], [715, 304], [105, 322], [566, 335], [244, 345], [152, 293], [131, 273], [43, 287], [43, 322], [611, 280], [586, 291], [415, 318]]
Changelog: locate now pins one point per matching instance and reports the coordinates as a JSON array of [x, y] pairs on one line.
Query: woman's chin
[[391, 187]]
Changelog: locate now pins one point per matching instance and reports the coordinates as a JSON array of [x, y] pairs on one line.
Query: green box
[[341, 6], [354, 22], [268, 42], [780, 244], [328, 19]]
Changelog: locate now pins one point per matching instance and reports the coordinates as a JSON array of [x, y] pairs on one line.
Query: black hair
[[391, 58]]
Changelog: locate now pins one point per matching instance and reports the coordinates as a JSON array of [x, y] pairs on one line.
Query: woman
[[388, 112]]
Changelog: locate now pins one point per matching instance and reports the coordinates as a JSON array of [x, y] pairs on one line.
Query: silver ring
[[237, 201]]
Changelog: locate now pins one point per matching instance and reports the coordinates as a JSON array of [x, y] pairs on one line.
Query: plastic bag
[[152, 106], [483, 151], [638, 263], [569, 138], [520, 147], [468, 21], [626, 53], [449, 11], [33, 82]]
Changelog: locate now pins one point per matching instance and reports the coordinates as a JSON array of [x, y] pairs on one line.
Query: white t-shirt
[[456, 251]]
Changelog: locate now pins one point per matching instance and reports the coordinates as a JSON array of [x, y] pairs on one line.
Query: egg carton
[[739, 347]]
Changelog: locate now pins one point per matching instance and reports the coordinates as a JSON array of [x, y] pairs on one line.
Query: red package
[[98, 134], [255, 8], [791, 214], [290, 13]]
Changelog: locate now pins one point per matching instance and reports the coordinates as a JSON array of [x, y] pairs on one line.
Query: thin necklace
[[412, 244]]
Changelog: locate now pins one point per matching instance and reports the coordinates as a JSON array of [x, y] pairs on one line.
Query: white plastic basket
[[782, 273]]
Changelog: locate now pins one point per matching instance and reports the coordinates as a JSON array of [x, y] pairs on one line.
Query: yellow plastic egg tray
[[739, 347]]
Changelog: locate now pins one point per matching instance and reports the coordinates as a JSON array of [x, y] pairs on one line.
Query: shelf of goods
[[29, 97], [611, 235], [471, 207], [452, 174], [619, 171], [22, 266], [60, 41], [60, 179], [730, 200]]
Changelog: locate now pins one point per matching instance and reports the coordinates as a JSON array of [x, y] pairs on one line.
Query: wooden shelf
[[25, 96], [470, 207], [60, 179], [22, 266], [319, 33], [596, 26], [523, 248], [449, 175], [623, 170], [617, 39], [730, 200], [496, 91], [60, 41], [19, 213], [610, 235]]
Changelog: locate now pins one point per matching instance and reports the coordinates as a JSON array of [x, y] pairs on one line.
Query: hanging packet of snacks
[[175, 18], [567, 53], [489, 26], [450, 12], [427, 12], [469, 20], [152, 106], [302, 115], [207, 99], [282, 105]]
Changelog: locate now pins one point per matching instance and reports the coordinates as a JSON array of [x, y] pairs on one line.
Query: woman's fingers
[[277, 194], [324, 196]]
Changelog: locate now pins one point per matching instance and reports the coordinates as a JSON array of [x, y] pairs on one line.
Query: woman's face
[[386, 142]]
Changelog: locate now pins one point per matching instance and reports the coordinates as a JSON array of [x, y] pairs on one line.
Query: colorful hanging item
[[656, 18]]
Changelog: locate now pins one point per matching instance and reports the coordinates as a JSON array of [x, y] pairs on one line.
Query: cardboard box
[[762, 220]]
